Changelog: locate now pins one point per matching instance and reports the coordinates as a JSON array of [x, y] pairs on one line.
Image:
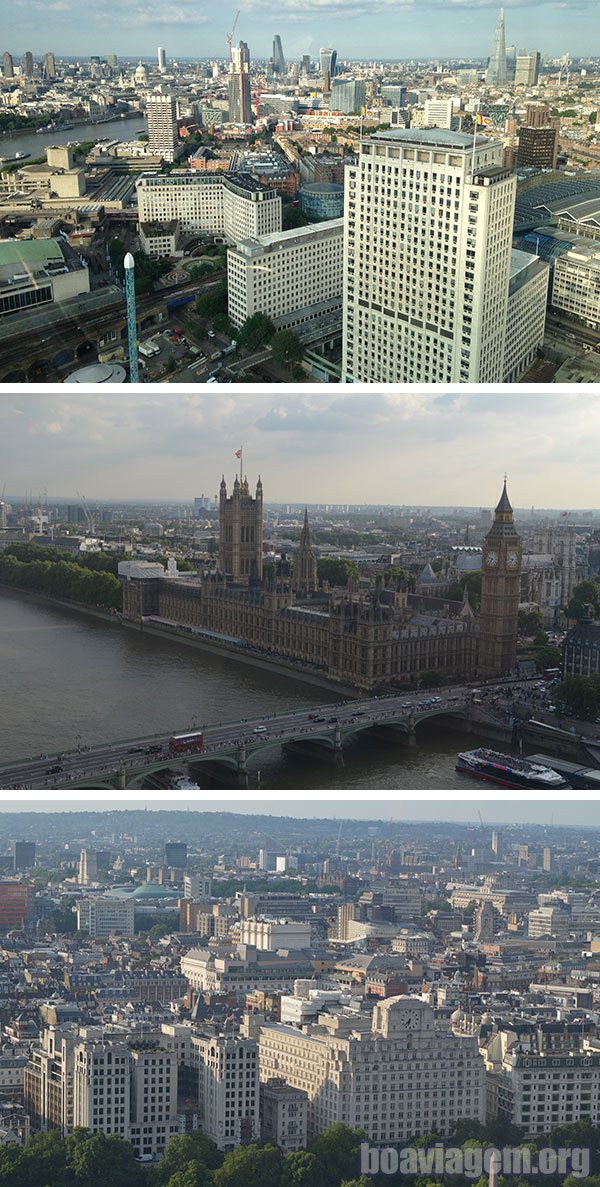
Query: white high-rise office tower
[[162, 59], [163, 139], [88, 867], [228, 1088], [427, 246]]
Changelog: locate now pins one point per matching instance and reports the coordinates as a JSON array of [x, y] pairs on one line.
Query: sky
[[573, 813], [337, 446], [390, 28]]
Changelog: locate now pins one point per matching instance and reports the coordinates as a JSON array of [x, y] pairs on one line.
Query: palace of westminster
[[364, 638]]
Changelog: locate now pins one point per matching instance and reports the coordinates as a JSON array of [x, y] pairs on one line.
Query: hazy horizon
[[553, 813], [463, 29], [327, 446]]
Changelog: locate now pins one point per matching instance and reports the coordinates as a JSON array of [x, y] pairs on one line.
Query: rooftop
[[432, 138], [298, 235]]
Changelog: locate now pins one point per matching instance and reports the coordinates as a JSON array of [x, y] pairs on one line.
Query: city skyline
[[554, 813], [394, 449], [304, 26]]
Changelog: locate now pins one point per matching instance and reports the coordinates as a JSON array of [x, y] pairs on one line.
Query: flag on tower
[[484, 121], [238, 453]]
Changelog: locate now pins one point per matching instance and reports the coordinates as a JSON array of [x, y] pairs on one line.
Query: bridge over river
[[229, 746]]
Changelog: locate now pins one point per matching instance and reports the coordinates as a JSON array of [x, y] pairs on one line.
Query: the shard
[[496, 71]]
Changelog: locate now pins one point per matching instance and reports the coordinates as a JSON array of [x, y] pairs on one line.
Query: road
[[132, 755]]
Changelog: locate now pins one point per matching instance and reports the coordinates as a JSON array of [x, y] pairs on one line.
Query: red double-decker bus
[[186, 743]]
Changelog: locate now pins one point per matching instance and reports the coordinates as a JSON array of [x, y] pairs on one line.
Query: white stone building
[[228, 1088], [294, 277], [235, 206], [105, 916], [427, 245], [393, 1074], [526, 313]]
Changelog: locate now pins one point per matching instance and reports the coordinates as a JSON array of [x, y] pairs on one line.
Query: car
[[136, 750], [212, 379], [332, 719], [359, 713], [154, 749], [211, 334], [260, 729], [320, 718], [54, 770]]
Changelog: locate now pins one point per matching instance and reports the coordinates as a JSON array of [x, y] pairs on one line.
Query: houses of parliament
[[364, 638]]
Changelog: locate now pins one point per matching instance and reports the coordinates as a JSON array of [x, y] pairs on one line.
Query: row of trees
[[331, 1160], [62, 579]]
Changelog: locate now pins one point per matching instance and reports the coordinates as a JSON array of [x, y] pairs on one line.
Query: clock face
[[491, 559], [512, 560]]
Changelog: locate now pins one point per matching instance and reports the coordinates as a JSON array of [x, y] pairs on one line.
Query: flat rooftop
[[433, 138], [295, 237], [29, 252]]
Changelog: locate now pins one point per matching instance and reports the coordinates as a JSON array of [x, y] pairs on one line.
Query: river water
[[69, 678], [35, 143]]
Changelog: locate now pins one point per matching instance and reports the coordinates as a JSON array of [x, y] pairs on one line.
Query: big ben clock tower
[[500, 594]]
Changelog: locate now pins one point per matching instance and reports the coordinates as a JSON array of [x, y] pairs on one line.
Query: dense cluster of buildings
[[426, 982], [460, 225]]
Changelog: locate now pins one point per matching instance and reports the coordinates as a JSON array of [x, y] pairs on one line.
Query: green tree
[[530, 622], [251, 1166], [579, 696], [286, 348], [99, 1159], [585, 600], [547, 657], [337, 1149], [336, 572], [302, 1169], [473, 584], [213, 303], [256, 330], [170, 365]]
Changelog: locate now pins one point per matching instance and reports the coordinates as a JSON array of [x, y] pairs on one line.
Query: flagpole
[[474, 140], [241, 461]]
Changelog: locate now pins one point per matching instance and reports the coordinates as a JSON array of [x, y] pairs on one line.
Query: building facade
[[427, 244], [103, 916], [233, 205], [294, 277], [392, 1074], [526, 313], [163, 134]]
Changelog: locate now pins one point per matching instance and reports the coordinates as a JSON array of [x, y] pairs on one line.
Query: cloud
[[314, 445]]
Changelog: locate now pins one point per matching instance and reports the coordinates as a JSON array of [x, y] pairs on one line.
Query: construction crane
[[88, 515], [229, 37]]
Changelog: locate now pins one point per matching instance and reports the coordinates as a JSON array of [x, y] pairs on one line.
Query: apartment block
[[526, 313], [283, 1115], [228, 1088], [427, 243], [576, 282], [233, 205], [103, 916], [294, 277]]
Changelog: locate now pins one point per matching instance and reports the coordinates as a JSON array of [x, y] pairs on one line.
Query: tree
[[170, 365], [213, 303], [256, 330], [579, 696], [286, 348], [585, 600], [251, 1166], [337, 1149], [530, 622], [336, 572], [98, 1159], [473, 584], [547, 657], [301, 1169]]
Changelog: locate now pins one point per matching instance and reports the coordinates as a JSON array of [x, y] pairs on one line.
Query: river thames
[[70, 679], [35, 143]]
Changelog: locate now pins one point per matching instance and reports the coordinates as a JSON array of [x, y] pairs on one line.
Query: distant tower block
[[132, 334], [162, 59]]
